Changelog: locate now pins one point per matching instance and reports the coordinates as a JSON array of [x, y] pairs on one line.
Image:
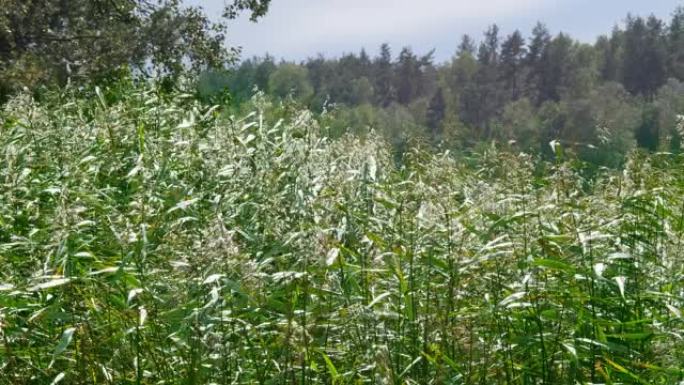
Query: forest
[[602, 99], [173, 215]]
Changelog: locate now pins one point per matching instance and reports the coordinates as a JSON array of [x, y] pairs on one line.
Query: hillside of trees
[[600, 100]]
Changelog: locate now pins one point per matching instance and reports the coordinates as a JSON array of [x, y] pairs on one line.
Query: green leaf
[[331, 367], [212, 278], [50, 284], [631, 336], [64, 342], [621, 284], [332, 255], [58, 378], [100, 97], [676, 312], [623, 370], [377, 299], [554, 265], [571, 349]]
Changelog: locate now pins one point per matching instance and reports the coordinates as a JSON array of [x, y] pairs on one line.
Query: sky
[[299, 29]]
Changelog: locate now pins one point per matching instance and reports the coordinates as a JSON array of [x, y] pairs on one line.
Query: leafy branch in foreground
[[50, 42]]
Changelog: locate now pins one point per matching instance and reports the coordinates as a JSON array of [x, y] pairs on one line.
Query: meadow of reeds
[[148, 238]]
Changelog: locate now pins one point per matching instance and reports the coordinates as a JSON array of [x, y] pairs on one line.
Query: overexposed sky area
[[297, 29]]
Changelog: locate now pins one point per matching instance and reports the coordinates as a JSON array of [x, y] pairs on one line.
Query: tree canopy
[[52, 41]]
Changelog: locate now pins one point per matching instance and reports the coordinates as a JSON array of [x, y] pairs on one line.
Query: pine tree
[[512, 56], [435, 114], [427, 75], [487, 79], [610, 50], [657, 54], [644, 62], [460, 77], [263, 72], [467, 46], [676, 45], [556, 67], [482, 99], [407, 76], [365, 64], [384, 75], [534, 62], [488, 55]]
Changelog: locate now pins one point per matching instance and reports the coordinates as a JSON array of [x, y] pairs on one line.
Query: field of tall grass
[[147, 238]]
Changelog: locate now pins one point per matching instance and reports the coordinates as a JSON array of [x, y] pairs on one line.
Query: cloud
[[342, 18], [297, 26], [296, 29]]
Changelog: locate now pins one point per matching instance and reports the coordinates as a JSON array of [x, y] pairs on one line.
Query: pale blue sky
[[297, 29]]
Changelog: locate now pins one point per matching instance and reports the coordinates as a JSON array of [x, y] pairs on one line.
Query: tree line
[[600, 99]]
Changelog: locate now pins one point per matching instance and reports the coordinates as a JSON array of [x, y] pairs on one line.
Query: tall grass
[[150, 239]]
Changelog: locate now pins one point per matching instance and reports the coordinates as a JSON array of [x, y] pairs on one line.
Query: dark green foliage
[[483, 96], [557, 66], [610, 50], [648, 132], [512, 69], [411, 76], [676, 45], [53, 42], [257, 8], [645, 57], [384, 89], [436, 113], [534, 61], [290, 80]]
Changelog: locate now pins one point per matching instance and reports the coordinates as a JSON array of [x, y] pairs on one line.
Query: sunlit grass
[[149, 239]]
